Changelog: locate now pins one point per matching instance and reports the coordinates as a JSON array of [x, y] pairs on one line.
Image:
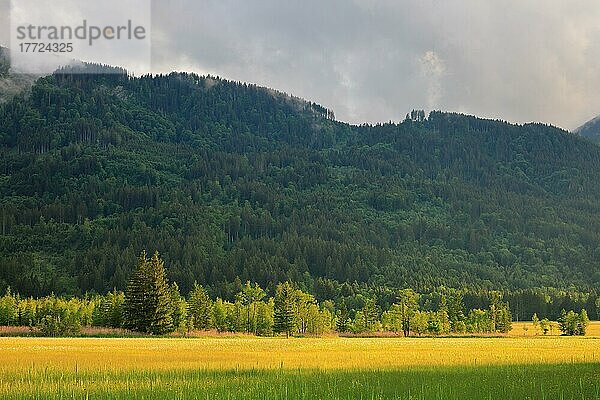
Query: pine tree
[[137, 305], [285, 306], [160, 298], [148, 305]]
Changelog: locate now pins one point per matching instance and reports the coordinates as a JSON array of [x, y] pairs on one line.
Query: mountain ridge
[[590, 130], [231, 183]]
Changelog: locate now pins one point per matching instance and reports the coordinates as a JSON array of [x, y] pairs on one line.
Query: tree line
[[152, 305]]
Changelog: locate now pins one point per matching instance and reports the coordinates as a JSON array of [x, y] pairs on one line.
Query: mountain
[[590, 129], [234, 182]]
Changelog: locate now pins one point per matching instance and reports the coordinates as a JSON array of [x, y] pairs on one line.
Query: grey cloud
[[374, 60]]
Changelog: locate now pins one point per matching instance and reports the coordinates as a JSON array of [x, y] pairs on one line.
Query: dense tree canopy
[[234, 183]]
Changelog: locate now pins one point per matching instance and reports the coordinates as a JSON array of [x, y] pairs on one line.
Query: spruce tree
[[148, 305], [161, 321], [137, 305], [285, 309]]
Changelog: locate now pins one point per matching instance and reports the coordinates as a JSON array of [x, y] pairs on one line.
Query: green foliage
[[343, 320], [148, 306], [220, 316], [109, 310], [200, 308], [59, 317], [407, 301], [420, 322], [455, 308], [137, 305], [545, 326], [479, 321], [264, 317], [9, 309], [249, 297], [501, 316], [232, 182], [179, 311], [583, 322], [285, 302], [290, 311], [497, 318], [572, 323]]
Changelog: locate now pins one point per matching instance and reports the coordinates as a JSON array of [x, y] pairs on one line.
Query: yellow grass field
[[527, 329], [253, 368], [109, 354]]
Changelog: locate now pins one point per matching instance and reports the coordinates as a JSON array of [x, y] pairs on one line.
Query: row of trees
[[570, 323], [152, 305]]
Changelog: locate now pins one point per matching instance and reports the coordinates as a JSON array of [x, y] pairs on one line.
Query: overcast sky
[[372, 61]]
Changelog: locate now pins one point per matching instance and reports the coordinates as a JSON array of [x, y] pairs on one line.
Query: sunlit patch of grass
[[526, 328], [20, 353], [316, 368]]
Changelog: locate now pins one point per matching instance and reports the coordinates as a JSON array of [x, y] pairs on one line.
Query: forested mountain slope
[[233, 182]]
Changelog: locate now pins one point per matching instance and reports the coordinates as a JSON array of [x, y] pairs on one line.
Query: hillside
[[590, 129], [232, 182]]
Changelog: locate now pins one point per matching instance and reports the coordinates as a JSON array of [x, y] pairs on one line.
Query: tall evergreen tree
[[160, 298], [137, 306], [285, 309], [148, 305]]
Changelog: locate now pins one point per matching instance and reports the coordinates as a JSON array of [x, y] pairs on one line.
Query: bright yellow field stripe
[[101, 354], [527, 329]]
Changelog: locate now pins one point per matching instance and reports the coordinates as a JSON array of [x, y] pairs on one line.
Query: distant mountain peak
[[590, 129]]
